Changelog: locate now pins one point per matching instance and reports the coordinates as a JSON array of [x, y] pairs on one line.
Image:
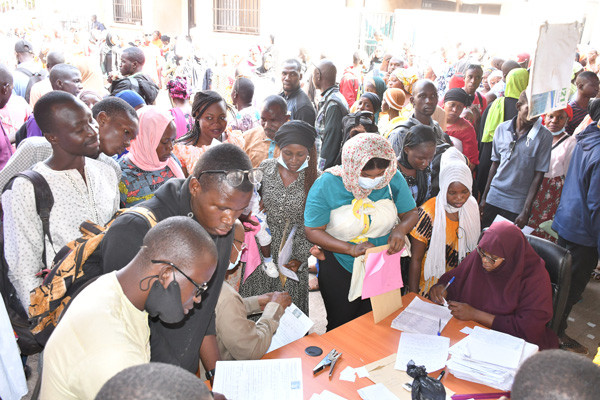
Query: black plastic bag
[[424, 387]]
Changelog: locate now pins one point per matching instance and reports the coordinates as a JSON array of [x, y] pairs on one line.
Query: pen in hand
[[446, 288]]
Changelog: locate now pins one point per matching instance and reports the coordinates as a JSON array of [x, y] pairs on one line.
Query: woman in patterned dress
[[548, 196], [285, 185], [150, 161]]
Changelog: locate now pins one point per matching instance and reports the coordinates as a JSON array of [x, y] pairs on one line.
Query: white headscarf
[[453, 169]]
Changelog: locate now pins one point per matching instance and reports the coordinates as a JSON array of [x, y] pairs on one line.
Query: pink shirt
[[560, 157], [13, 115]]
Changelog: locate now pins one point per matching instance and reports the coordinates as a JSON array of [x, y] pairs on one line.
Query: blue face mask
[[283, 164], [559, 132]]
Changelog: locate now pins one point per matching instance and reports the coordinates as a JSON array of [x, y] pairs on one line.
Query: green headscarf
[[516, 81]]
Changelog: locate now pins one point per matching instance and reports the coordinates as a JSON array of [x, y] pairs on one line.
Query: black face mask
[[165, 303]]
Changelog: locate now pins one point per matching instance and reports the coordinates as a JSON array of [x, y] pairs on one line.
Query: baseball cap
[[23, 46]]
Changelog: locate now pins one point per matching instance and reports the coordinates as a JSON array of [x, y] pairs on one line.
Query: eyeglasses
[[511, 148], [199, 288], [235, 177], [491, 259]]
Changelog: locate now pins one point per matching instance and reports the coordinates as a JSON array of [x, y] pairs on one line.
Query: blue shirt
[[531, 154], [329, 193], [578, 216]]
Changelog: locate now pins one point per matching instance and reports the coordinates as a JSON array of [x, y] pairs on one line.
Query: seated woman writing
[[448, 226], [150, 161], [363, 203], [503, 285]]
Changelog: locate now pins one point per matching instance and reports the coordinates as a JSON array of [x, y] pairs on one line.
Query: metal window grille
[[128, 11], [236, 16], [9, 5]]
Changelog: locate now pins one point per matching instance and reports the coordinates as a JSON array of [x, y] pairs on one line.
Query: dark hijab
[[518, 292]]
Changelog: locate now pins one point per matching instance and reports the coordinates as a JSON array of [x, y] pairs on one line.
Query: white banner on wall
[[552, 68]]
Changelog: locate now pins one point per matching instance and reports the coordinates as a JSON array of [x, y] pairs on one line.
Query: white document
[[495, 347], [422, 317], [552, 67], [327, 395], [260, 379], [362, 372], [348, 374], [285, 254], [293, 325], [466, 330], [527, 230], [489, 357], [376, 392], [428, 350]]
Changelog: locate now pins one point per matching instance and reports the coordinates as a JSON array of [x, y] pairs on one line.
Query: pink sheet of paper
[[382, 274], [251, 256]]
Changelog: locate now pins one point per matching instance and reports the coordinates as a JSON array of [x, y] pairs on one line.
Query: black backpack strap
[[25, 71], [43, 201], [480, 100], [135, 85]]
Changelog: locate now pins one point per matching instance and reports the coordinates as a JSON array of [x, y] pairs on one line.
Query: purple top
[[6, 149]]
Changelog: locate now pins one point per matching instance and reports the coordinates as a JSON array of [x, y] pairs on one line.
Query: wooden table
[[362, 342]]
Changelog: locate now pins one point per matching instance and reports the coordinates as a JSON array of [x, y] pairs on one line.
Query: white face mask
[[369, 183], [232, 265], [284, 165], [559, 132]]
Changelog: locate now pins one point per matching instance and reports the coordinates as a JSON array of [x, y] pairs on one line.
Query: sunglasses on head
[[235, 177]]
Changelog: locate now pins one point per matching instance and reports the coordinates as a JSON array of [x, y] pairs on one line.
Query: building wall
[[293, 24]]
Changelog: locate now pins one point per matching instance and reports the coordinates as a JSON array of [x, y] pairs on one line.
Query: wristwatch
[[210, 374]]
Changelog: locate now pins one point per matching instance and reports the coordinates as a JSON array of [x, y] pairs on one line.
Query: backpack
[[75, 265], [16, 312], [34, 77]]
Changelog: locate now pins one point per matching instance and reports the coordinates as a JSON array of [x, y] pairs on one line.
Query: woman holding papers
[[363, 203], [448, 226], [285, 185], [503, 285]]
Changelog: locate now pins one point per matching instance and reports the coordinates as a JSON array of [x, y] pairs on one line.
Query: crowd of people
[[248, 169]]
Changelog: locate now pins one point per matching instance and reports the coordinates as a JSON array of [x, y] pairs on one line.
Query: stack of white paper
[[422, 317], [489, 357]]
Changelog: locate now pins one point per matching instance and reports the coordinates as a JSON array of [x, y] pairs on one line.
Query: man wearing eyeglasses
[[105, 328], [520, 158], [214, 196]]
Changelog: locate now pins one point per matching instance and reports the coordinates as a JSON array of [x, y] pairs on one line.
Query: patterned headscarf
[[408, 77], [355, 155], [178, 88]]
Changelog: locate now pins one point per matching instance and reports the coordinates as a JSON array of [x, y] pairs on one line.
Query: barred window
[[128, 11], [236, 16]]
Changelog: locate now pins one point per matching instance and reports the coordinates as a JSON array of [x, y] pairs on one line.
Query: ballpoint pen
[[446, 288], [440, 328]]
